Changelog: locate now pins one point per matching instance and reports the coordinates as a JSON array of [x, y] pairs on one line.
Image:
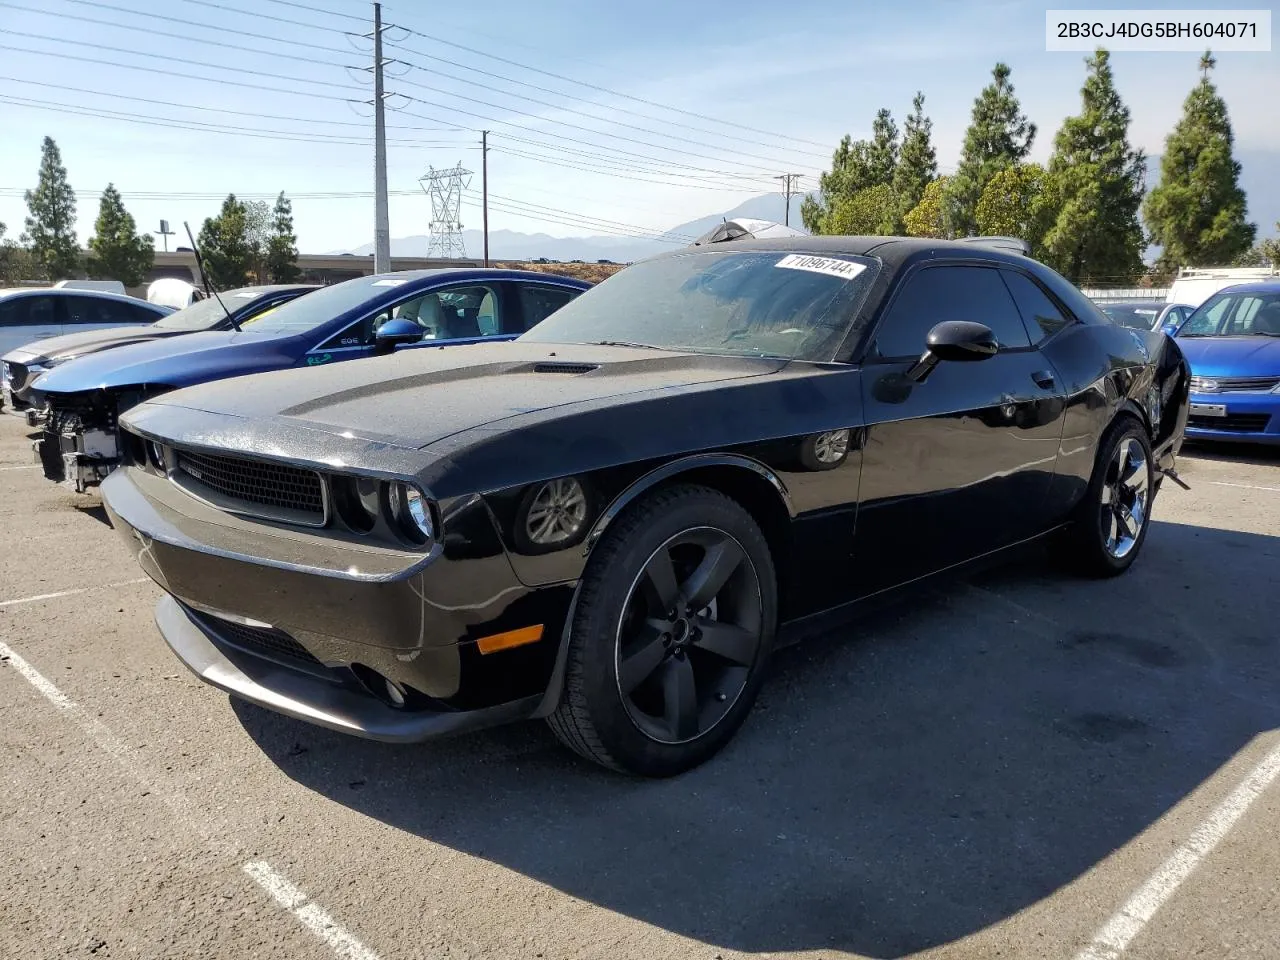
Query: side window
[[82, 310], [13, 312], [935, 294], [42, 311], [454, 314], [539, 301], [1042, 318]]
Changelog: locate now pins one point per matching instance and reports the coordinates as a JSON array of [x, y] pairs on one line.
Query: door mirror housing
[[395, 332], [955, 340]]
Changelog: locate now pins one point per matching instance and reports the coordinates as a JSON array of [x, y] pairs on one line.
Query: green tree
[[117, 250], [867, 212], [928, 217], [999, 136], [855, 166], [1097, 184], [225, 245], [1197, 211], [917, 162], [50, 228], [282, 247], [1017, 203], [1270, 248], [15, 262]]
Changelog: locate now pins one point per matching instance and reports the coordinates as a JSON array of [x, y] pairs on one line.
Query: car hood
[[73, 345], [414, 398], [1232, 356], [173, 361]]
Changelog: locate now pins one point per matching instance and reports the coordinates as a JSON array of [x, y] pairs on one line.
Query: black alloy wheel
[[671, 634]]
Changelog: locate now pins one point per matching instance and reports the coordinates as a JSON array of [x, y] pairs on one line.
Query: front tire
[[1110, 523], [671, 634]]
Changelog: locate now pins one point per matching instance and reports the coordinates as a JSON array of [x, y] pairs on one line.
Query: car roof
[[894, 251], [1135, 302], [76, 292], [480, 273], [1257, 286]]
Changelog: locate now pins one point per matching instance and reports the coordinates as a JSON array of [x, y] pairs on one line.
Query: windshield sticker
[[388, 282], [828, 265]]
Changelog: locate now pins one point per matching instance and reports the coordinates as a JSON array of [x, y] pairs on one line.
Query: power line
[[312, 8], [774, 163], [579, 216], [51, 106], [240, 113], [614, 93], [151, 31], [611, 172], [594, 157], [293, 22], [174, 73], [503, 208], [146, 14], [194, 63]]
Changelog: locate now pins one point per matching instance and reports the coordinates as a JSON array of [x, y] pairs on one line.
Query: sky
[[602, 119]]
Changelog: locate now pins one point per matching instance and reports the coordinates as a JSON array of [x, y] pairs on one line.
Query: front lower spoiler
[[311, 698]]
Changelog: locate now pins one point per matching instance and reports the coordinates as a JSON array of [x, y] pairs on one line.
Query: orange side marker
[[512, 638]]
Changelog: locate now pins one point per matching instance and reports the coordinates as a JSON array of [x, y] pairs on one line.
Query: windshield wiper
[[625, 343]]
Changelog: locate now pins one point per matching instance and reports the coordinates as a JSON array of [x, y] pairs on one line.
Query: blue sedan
[[359, 318], [1232, 342]]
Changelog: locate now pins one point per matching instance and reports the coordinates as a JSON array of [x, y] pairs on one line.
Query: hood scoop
[[553, 367]]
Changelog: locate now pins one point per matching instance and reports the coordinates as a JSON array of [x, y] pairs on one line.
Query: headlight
[[411, 512]]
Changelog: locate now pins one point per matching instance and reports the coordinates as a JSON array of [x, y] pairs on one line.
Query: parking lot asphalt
[[1019, 764]]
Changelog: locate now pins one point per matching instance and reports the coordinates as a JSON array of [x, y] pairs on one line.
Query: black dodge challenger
[[611, 521]]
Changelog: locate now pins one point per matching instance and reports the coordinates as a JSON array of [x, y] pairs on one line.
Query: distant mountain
[[512, 245]]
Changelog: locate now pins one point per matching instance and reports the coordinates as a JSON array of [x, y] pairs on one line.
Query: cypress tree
[[118, 251], [917, 160], [1097, 183], [1197, 212], [999, 136], [50, 227]]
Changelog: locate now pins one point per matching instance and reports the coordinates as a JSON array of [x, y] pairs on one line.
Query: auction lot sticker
[[1188, 31], [828, 265]]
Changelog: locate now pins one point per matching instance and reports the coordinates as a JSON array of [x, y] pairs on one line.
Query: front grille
[[260, 641], [1220, 384], [276, 485], [1235, 422]]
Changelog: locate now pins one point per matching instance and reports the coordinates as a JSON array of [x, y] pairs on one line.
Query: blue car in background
[[358, 318], [1232, 342]]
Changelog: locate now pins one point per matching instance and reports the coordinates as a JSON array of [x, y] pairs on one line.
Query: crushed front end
[[79, 442]]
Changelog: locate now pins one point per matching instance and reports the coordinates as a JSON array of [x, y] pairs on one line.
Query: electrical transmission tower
[[445, 187]]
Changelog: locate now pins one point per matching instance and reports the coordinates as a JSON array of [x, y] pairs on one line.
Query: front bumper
[[1235, 417], [312, 625], [345, 705]]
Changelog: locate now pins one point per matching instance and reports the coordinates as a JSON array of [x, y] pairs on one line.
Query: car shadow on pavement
[[904, 782]]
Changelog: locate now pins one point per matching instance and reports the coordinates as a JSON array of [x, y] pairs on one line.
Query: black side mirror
[[395, 332], [955, 340]]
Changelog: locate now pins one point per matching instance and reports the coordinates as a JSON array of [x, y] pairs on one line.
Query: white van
[[1195, 285], [101, 286]]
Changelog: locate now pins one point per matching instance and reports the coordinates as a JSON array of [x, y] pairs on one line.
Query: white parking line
[[308, 913], [25, 466], [1244, 486], [1117, 933], [71, 593]]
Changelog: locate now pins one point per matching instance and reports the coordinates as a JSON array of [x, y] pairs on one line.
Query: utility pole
[[789, 181], [381, 219], [484, 188]]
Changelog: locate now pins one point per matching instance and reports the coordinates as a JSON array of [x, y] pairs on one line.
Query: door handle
[[1043, 378]]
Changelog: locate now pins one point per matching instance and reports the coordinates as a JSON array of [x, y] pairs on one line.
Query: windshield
[[749, 303], [320, 306], [1232, 314], [206, 314], [1138, 316]]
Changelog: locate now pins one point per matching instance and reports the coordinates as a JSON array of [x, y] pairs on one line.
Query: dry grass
[[591, 272]]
